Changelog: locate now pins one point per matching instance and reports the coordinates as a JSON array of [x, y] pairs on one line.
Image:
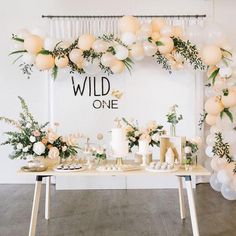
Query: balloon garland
[[169, 46], [108, 53]]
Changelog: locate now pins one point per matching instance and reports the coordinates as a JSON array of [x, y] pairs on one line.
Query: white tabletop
[[197, 171]]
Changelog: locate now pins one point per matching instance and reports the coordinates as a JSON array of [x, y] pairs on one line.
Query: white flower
[[64, 148], [136, 133], [152, 125], [19, 146], [53, 153], [39, 148], [187, 150], [32, 139], [156, 137], [25, 149], [28, 125]]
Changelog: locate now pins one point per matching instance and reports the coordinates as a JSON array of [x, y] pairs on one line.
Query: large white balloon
[[209, 152], [194, 34], [214, 182], [227, 192], [213, 34], [49, 44], [149, 48], [210, 140], [23, 33], [224, 123], [121, 52], [224, 176], [215, 129], [128, 38], [92, 68], [218, 164], [229, 136], [28, 58]]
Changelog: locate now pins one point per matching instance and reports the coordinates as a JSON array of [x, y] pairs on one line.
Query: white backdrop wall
[[27, 14]]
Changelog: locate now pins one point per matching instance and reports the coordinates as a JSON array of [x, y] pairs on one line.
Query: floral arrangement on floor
[[108, 53], [173, 118], [30, 139], [151, 132]]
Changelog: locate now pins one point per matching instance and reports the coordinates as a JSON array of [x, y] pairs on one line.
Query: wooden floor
[[115, 213]]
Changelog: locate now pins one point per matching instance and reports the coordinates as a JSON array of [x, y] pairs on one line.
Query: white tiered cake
[[119, 143]]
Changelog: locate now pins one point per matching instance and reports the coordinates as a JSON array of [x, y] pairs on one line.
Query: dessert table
[[180, 174]]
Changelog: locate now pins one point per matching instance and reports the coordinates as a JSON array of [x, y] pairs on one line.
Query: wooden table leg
[[35, 208], [47, 198], [192, 207], [181, 198]]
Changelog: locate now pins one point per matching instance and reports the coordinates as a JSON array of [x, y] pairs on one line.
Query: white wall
[[27, 14]]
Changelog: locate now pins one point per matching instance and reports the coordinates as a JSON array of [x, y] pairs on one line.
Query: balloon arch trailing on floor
[[169, 47]]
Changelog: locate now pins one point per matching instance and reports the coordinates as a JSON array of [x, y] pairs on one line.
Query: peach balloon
[[80, 64], [44, 62], [86, 41], [107, 59], [155, 36], [137, 51], [214, 106], [211, 55], [157, 24], [178, 31], [129, 24], [167, 31], [76, 55], [61, 62], [117, 67], [33, 44], [168, 45], [229, 100], [211, 119]]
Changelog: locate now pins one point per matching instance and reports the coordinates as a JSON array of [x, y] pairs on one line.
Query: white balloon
[[209, 152], [218, 164], [128, 38], [214, 182], [210, 140], [100, 45], [39, 32], [194, 34], [224, 123], [28, 58], [121, 52], [23, 33], [224, 176], [209, 92], [229, 136], [225, 72], [146, 29], [92, 68], [149, 48], [215, 129], [228, 193], [213, 34], [49, 44]]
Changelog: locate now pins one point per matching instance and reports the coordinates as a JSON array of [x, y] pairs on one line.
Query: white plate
[[161, 171], [75, 170]]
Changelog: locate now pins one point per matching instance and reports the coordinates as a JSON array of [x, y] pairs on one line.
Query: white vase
[[170, 156]]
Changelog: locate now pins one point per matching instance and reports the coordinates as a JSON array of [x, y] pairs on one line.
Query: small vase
[[172, 130]]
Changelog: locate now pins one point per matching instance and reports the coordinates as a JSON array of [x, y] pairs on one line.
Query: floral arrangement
[[191, 149], [32, 139], [99, 153], [108, 53], [151, 132], [173, 118]]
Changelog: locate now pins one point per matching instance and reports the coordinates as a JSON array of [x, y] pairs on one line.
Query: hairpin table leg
[[181, 198], [35, 208], [192, 207], [47, 198]]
